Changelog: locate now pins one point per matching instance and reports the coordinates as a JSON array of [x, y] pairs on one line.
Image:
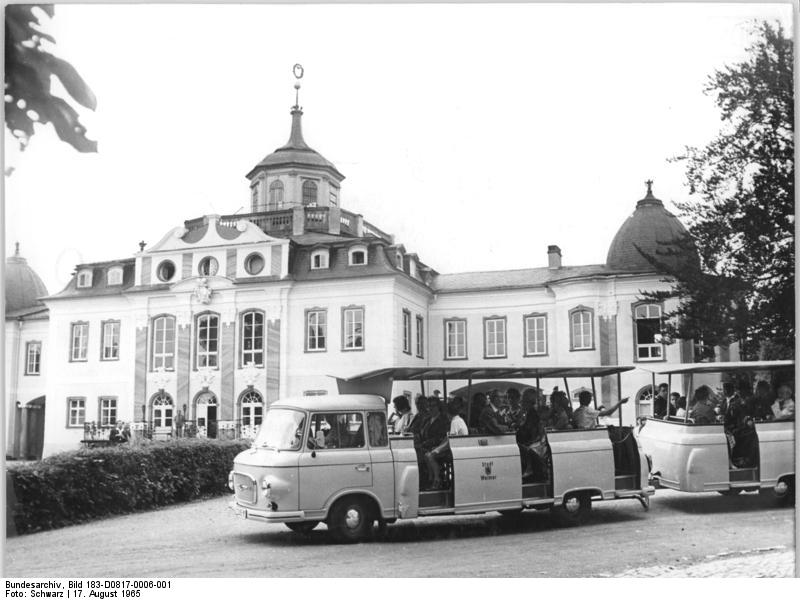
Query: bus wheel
[[730, 492], [304, 527], [574, 510], [350, 521], [785, 491]]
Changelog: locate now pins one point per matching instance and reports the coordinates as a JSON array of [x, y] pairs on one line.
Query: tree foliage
[[29, 71], [742, 219]]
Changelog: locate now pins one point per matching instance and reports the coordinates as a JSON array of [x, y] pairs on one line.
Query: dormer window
[[309, 193], [85, 278], [115, 276], [319, 259], [275, 195], [208, 267], [412, 267], [399, 260], [357, 256]]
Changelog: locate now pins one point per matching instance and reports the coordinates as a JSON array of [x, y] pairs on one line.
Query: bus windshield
[[282, 429]]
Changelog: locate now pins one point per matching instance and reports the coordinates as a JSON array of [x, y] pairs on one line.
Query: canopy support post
[[444, 385], [619, 396], [653, 402], [594, 393]]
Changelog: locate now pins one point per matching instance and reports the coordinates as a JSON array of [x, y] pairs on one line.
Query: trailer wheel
[[787, 498], [574, 510], [350, 520], [303, 527]]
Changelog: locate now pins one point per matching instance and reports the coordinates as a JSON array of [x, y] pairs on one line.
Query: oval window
[[166, 270], [254, 263], [208, 266]]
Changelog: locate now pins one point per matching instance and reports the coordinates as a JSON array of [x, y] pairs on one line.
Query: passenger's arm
[[610, 410]]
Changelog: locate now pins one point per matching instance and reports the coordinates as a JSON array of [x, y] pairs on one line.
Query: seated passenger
[[763, 401], [585, 417], [702, 411], [660, 402], [513, 416], [418, 420], [741, 433], [783, 407], [532, 440], [680, 407], [475, 409], [442, 451], [673, 403], [404, 415], [489, 422], [560, 411]]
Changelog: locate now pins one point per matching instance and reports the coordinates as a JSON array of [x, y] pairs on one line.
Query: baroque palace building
[[200, 332]]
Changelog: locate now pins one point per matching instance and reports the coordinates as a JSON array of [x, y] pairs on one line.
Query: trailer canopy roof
[[720, 367], [439, 373]]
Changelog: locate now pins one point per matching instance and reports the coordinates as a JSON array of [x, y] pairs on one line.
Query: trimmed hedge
[[73, 487]]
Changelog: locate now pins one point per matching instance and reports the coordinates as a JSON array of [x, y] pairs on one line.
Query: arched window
[[251, 412], [207, 348], [162, 407], [208, 267], [163, 343], [309, 193], [253, 338], [275, 195], [644, 402]]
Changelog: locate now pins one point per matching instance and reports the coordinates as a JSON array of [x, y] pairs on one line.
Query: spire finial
[[649, 184], [298, 75], [16, 251]]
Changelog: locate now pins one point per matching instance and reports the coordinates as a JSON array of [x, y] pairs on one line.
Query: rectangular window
[[494, 335], [376, 426], [581, 325], [455, 339], [253, 339], [76, 412], [316, 330], [110, 335], [353, 328], [420, 337], [207, 341], [164, 343], [330, 431], [80, 341], [647, 322], [33, 358], [406, 331], [108, 411], [535, 335]]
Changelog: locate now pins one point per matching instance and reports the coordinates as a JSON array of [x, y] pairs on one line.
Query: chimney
[[553, 257]]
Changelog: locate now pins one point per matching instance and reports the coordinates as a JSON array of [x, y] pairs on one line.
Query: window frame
[[29, 345], [447, 322], [407, 331], [578, 310], [117, 271], [307, 185], [166, 407], [635, 337], [307, 339], [85, 344], [251, 404], [322, 253], [345, 310], [80, 412], [84, 278], [164, 264], [495, 319], [353, 250], [243, 337], [248, 260], [153, 342], [196, 346], [207, 262], [273, 201], [336, 413], [525, 339], [420, 328], [103, 346], [101, 409]]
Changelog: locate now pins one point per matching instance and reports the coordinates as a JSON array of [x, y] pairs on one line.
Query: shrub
[[72, 487]]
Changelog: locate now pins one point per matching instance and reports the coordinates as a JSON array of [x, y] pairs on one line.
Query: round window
[[254, 263], [166, 270], [208, 266]]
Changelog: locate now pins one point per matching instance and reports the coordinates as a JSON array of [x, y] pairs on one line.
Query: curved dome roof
[[651, 231], [23, 285], [296, 152]]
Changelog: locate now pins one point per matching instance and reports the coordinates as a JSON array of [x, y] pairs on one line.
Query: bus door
[[382, 461], [486, 470], [335, 458], [582, 459]]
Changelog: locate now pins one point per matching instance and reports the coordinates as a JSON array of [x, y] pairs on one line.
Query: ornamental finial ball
[[297, 85]]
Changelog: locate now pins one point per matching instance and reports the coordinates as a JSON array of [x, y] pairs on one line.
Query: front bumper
[[266, 516]]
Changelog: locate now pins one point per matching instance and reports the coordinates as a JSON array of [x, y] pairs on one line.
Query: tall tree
[[742, 219], [29, 70]]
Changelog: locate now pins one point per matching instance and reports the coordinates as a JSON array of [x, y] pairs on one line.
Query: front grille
[[245, 488]]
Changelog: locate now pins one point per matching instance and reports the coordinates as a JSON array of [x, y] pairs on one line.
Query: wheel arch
[[372, 501], [594, 492]]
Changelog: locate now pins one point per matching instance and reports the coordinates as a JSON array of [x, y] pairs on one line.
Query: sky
[[477, 134]]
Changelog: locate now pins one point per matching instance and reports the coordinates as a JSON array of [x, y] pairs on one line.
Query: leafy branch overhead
[[742, 219], [29, 71]]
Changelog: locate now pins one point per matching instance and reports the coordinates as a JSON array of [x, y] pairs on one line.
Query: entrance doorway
[[206, 410]]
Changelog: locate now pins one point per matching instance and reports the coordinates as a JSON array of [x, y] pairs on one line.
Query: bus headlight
[[230, 482]]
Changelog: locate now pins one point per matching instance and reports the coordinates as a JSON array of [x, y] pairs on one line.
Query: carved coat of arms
[[203, 292]]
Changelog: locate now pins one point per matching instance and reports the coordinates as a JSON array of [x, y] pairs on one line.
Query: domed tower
[[23, 285], [294, 174], [651, 231]]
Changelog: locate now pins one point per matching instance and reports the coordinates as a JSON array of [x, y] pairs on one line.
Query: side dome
[[651, 231], [23, 285]]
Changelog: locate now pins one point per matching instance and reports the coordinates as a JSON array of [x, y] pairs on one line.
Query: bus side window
[[376, 425]]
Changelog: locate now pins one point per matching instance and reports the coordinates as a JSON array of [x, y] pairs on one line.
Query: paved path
[[682, 534]]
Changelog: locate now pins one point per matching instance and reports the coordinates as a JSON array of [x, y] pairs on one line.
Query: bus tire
[[350, 520], [787, 498], [574, 510], [303, 527]]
